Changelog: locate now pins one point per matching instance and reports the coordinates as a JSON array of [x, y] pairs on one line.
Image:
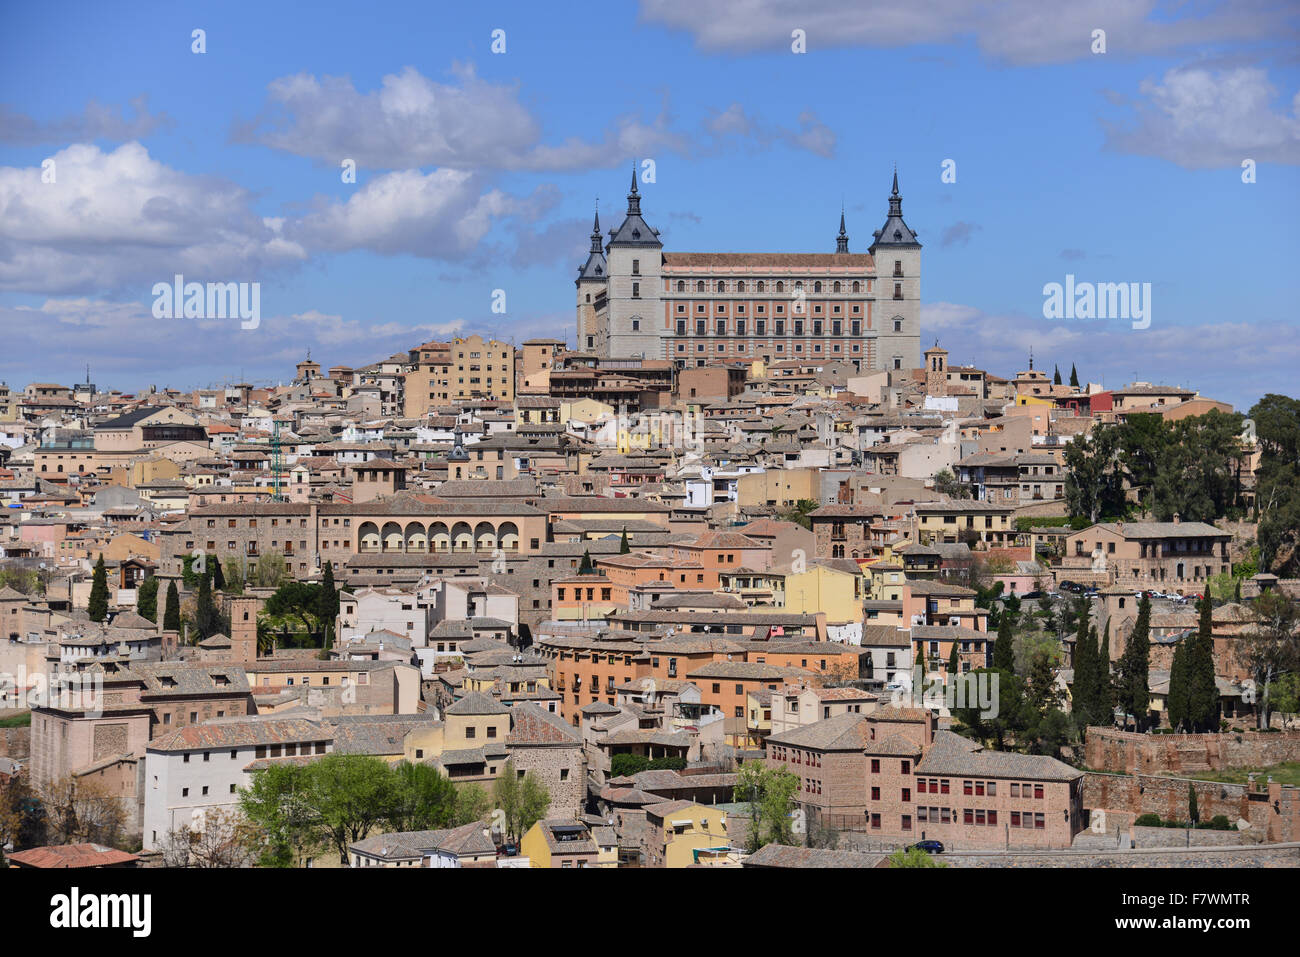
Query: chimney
[[1177, 518]]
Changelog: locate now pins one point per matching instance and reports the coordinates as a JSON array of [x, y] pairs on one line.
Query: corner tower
[[635, 266], [897, 255], [592, 282]]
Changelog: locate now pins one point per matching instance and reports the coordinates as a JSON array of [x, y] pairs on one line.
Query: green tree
[[586, 568], [623, 545], [146, 599], [301, 600], [914, 858], [1193, 812], [234, 574], [799, 514], [1074, 376], [523, 800], [207, 619], [1004, 647], [626, 765], [1083, 691], [1144, 442], [472, 804], [954, 662], [1056, 379], [1270, 649], [276, 803], [271, 570], [218, 576], [1176, 701], [328, 603], [1202, 692], [424, 799], [172, 608], [1277, 498], [1134, 667], [945, 483], [770, 792], [1094, 485], [346, 796], [98, 606]]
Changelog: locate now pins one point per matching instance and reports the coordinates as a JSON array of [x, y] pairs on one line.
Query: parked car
[[1031, 596], [930, 847], [1070, 586]]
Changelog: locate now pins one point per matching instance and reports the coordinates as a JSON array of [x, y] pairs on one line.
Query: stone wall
[[15, 743], [1128, 752], [1273, 812]]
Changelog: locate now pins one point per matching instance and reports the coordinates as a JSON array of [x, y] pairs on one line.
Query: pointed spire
[[633, 198], [895, 192], [595, 231], [842, 240], [895, 200]]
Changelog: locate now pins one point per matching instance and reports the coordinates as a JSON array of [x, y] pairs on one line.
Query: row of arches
[[437, 537]]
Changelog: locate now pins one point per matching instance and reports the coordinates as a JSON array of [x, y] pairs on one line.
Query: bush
[[626, 765], [1148, 820]]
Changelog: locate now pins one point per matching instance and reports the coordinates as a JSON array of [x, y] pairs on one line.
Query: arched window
[[699, 286], [836, 287], [722, 286], [760, 285], [740, 286], [681, 285], [780, 286], [817, 287], [857, 286]]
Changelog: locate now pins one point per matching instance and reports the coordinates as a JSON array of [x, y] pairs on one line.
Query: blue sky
[[478, 171]]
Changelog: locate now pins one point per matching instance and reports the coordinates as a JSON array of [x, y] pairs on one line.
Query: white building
[[200, 768]]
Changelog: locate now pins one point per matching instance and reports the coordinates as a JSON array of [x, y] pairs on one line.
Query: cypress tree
[[1074, 376], [1083, 692], [218, 576], [1056, 379], [98, 606], [623, 545], [1193, 813], [1003, 651], [1202, 693], [1134, 667], [586, 567], [172, 609], [1176, 702], [207, 621], [953, 662], [146, 599], [1105, 710], [328, 610]]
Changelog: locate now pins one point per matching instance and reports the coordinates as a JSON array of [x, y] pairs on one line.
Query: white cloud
[[96, 121], [123, 339], [412, 121], [1015, 31], [1221, 360], [116, 219], [1204, 119]]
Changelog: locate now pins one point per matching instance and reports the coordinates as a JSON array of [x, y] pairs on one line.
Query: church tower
[[897, 255], [635, 258], [591, 282]]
